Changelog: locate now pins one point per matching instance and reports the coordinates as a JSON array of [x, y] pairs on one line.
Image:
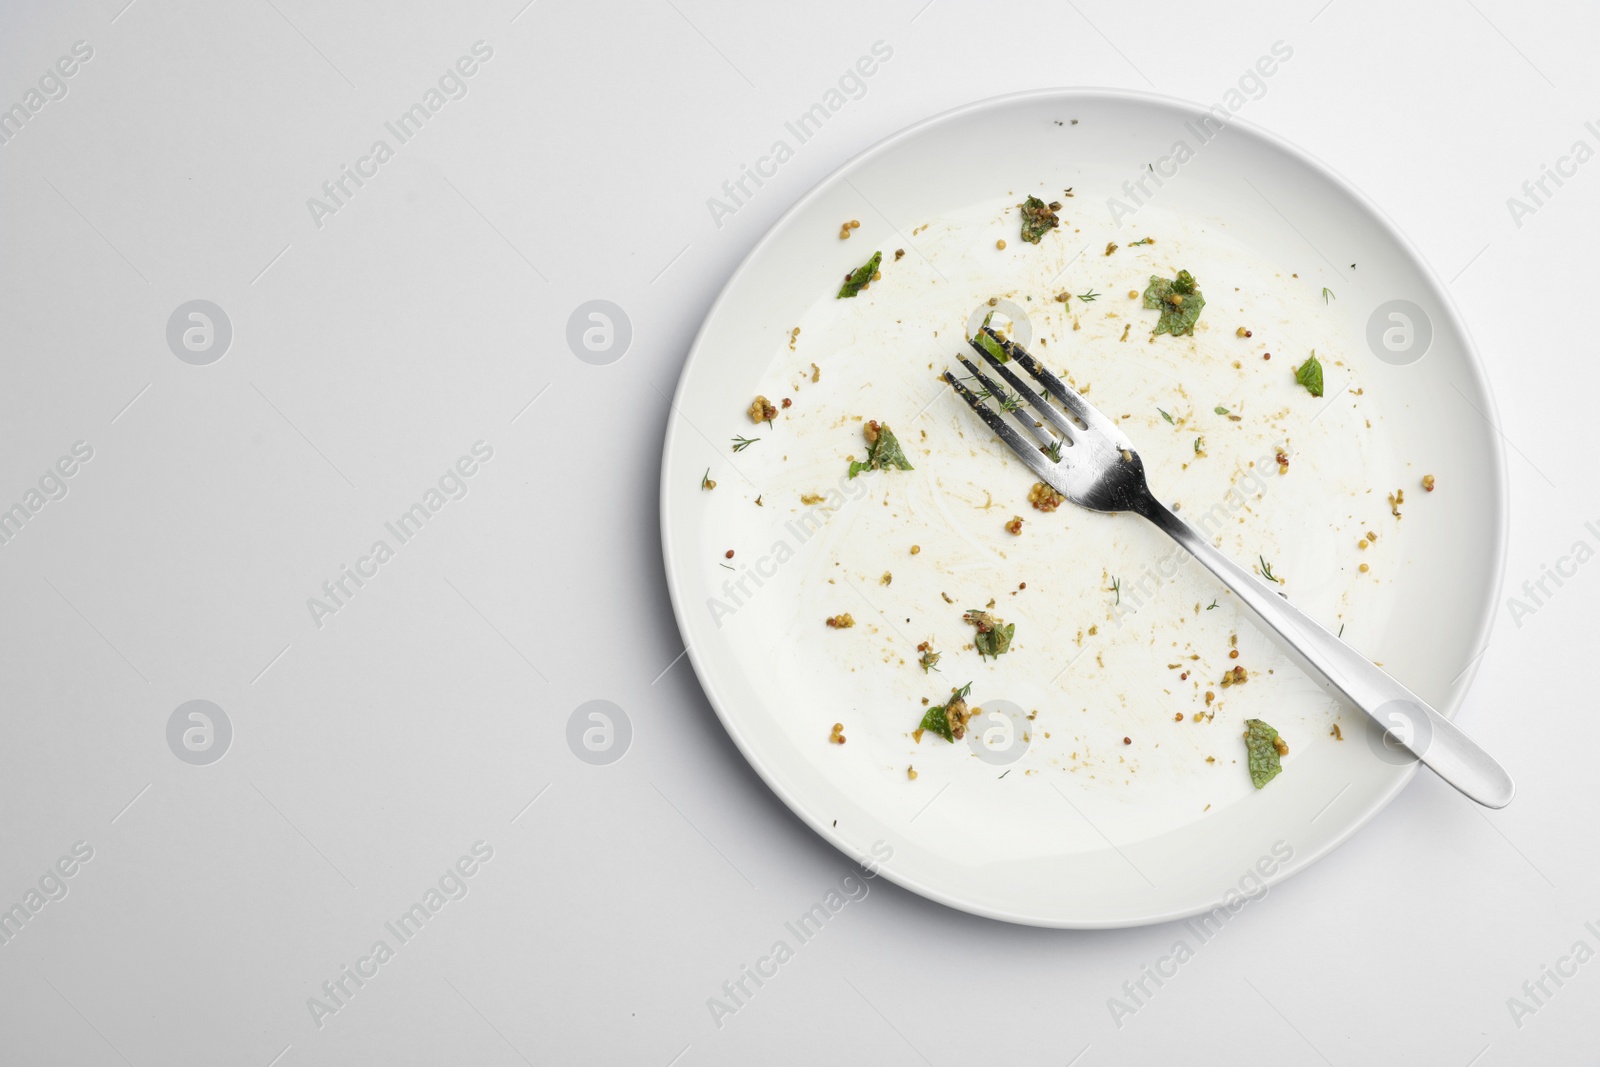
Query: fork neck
[[1147, 505]]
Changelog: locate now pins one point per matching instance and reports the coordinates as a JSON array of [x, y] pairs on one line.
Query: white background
[[368, 354]]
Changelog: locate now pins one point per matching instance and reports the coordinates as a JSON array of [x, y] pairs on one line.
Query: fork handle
[[1431, 737]]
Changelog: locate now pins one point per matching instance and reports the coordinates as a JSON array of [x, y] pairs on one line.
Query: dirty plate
[[1104, 782]]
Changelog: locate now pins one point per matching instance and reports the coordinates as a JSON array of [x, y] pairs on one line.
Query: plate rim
[[1497, 484]]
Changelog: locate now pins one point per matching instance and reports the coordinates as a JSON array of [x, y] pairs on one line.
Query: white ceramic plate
[[1058, 821]]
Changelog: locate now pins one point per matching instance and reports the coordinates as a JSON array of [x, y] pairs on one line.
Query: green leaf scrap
[[938, 721], [993, 637], [882, 454], [1037, 219], [860, 277], [986, 341], [1309, 374], [1261, 742], [1178, 301]]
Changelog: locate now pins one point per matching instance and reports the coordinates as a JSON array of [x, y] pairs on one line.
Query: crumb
[[1396, 498], [899, 252], [1237, 676], [1427, 483], [816, 373], [911, 772], [957, 714], [761, 410], [946, 596], [811, 498], [1044, 498], [1336, 733], [841, 622], [985, 622], [886, 579], [1111, 246]]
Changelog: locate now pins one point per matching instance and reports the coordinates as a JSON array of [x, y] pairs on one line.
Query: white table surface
[[370, 753]]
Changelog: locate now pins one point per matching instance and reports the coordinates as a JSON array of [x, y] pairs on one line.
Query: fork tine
[[1065, 426], [1035, 459], [1026, 421], [1069, 397]]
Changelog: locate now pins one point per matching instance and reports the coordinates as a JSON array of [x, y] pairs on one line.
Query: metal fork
[[1088, 460]]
